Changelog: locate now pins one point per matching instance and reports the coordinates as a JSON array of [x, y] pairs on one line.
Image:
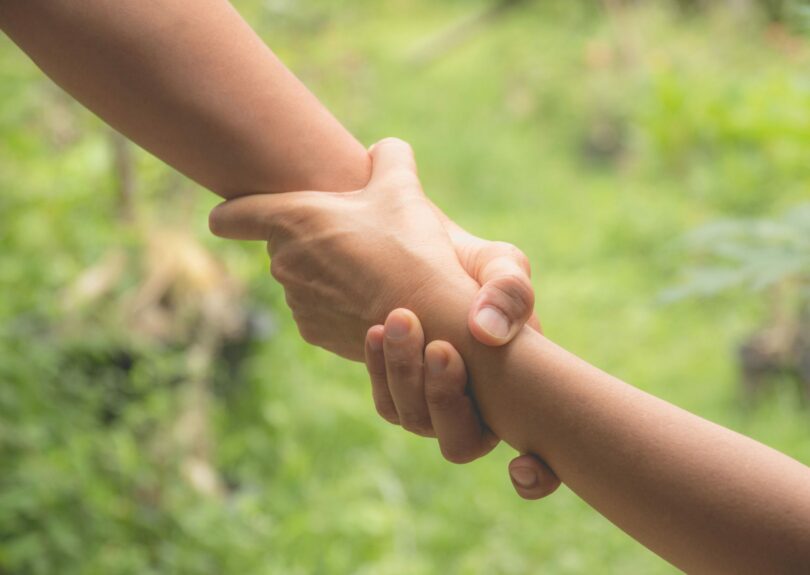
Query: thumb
[[531, 477], [258, 217], [505, 301], [392, 162]]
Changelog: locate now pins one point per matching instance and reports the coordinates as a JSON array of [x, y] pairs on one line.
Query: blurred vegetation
[[139, 433]]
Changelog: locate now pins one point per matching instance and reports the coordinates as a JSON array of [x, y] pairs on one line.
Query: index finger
[[254, 217]]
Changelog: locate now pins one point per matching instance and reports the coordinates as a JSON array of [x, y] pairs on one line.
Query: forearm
[[705, 498], [191, 82]]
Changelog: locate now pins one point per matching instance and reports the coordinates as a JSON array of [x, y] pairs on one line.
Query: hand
[[505, 300], [432, 399], [346, 259]]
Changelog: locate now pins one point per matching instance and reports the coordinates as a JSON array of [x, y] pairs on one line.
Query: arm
[[703, 497], [192, 83]]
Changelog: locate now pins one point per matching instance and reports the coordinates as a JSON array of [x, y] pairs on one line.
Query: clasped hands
[[354, 264]]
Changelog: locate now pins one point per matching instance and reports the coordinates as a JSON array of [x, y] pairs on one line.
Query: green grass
[[714, 117]]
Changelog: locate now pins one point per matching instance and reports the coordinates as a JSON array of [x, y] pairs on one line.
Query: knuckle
[[517, 255], [512, 252], [309, 219], [387, 411], [441, 397], [517, 290], [522, 260], [278, 269], [416, 423], [376, 373], [274, 223], [298, 310], [307, 332], [506, 255], [291, 221], [402, 179], [402, 368]]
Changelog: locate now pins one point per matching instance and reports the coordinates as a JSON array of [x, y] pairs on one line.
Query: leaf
[[753, 254]]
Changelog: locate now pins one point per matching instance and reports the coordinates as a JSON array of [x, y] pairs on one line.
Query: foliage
[[756, 254]]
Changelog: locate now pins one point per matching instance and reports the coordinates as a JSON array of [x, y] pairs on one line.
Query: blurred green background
[[595, 136]]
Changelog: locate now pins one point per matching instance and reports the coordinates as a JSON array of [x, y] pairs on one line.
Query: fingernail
[[523, 476], [398, 326], [493, 322], [436, 362], [375, 343]]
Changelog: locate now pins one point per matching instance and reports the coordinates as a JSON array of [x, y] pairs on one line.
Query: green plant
[[754, 254]]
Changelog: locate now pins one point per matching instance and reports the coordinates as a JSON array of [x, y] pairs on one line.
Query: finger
[[531, 477], [505, 301], [375, 364], [403, 345], [391, 157], [462, 437], [256, 217]]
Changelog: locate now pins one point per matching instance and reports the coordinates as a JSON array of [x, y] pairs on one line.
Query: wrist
[[442, 306]]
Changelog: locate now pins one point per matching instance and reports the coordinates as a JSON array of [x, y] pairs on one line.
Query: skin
[[703, 497], [407, 377], [192, 83]]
